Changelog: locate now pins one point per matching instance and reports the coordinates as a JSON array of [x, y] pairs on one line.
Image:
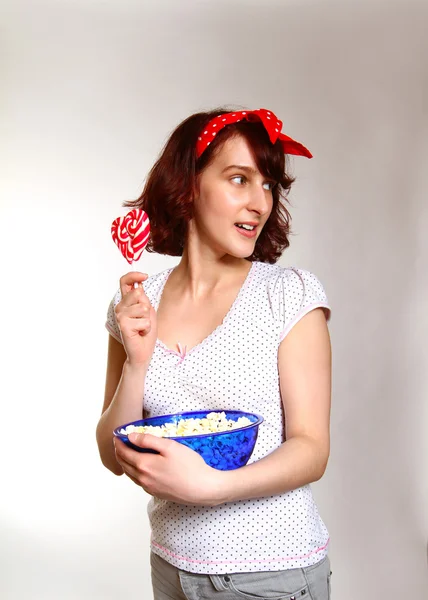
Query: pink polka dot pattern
[[271, 123], [235, 367]]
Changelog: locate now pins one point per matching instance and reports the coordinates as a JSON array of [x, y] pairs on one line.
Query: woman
[[226, 328]]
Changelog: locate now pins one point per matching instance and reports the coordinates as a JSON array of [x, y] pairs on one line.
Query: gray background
[[90, 91]]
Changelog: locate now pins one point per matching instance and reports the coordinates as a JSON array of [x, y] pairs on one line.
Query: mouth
[[248, 230]]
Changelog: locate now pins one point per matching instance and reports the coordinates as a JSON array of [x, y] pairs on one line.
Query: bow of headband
[[270, 122]]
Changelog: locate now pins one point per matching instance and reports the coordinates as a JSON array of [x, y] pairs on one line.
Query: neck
[[200, 274]]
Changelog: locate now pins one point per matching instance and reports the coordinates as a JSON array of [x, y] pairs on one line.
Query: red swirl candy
[[131, 234]]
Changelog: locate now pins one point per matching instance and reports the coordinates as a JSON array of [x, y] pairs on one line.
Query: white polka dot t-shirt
[[236, 367]]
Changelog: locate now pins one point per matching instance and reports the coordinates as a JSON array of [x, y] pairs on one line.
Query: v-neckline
[[231, 310]]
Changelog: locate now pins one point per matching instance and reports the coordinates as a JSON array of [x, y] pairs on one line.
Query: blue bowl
[[223, 450]]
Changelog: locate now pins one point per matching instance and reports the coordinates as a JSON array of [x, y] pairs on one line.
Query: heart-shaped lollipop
[[131, 234]]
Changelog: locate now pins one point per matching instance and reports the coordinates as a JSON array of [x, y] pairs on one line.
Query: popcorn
[[214, 422]]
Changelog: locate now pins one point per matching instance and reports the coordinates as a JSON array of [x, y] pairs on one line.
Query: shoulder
[[281, 279], [303, 283], [154, 284], [290, 291]]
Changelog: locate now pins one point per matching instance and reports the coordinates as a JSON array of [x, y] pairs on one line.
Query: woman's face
[[233, 201]]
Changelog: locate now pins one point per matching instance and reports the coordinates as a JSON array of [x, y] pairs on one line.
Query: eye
[[270, 185], [242, 177]]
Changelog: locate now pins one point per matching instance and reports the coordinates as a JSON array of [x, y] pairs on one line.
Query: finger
[[131, 327], [125, 454], [135, 481], [136, 311], [132, 457], [130, 470], [139, 483], [127, 281], [146, 440], [133, 476], [134, 296]]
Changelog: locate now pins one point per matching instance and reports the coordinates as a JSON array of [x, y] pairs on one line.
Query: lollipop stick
[[135, 282]]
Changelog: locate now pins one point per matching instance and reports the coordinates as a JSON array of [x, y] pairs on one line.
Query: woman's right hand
[[137, 321]]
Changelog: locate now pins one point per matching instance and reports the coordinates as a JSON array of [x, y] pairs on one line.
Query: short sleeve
[[111, 322], [300, 293]]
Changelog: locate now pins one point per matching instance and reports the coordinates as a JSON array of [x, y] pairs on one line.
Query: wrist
[[134, 369], [220, 486]]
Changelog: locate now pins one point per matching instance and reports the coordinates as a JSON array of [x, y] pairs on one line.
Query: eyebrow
[[241, 168]]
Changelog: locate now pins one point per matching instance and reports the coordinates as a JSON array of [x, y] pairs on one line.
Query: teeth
[[243, 226]]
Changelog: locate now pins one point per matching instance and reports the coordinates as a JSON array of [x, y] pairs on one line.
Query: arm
[[304, 364], [126, 365], [123, 401]]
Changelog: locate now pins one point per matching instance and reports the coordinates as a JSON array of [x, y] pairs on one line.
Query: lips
[[247, 232], [250, 223]]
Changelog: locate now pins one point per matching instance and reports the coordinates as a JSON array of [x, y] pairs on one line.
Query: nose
[[260, 200]]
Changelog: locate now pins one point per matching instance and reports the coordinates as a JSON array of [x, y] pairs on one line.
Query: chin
[[241, 252], [242, 249]]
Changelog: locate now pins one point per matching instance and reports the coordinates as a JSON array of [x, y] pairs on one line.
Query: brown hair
[[168, 193]]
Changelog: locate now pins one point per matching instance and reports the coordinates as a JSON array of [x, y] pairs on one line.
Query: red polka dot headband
[[271, 123]]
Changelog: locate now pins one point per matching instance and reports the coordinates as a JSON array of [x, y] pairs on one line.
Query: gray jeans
[[308, 583]]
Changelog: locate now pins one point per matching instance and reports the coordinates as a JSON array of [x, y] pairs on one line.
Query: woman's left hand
[[177, 473]]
